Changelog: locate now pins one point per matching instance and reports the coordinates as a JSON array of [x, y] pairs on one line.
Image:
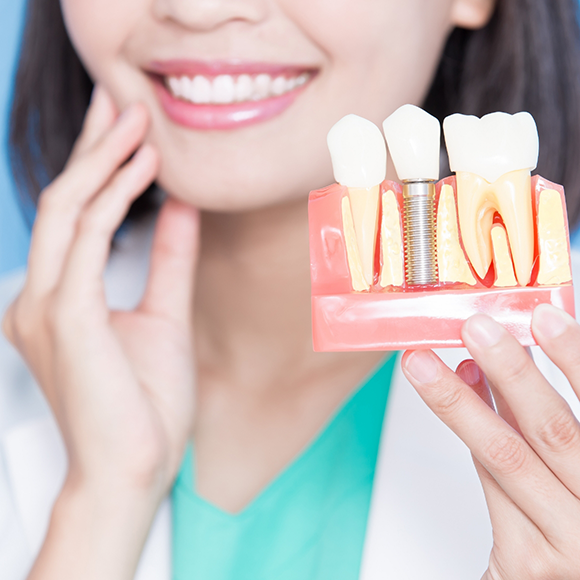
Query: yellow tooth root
[[453, 266], [553, 240], [392, 268], [502, 261], [478, 201], [365, 213], [359, 283]]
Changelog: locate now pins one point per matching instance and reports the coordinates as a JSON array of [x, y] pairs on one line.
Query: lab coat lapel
[[428, 515]]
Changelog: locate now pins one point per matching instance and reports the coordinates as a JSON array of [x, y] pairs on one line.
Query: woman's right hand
[[120, 384]]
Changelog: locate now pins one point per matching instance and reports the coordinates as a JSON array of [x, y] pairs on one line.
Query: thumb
[[169, 291]]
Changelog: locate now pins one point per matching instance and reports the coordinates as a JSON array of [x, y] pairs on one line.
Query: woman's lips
[[226, 95]]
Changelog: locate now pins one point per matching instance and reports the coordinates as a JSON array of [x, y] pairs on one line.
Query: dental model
[[403, 266]]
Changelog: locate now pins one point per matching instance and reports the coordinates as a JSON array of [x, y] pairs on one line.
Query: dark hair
[[527, 58]]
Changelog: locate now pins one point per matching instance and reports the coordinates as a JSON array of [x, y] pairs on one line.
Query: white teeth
[[175, 86], [493, 145], [262, 85], [223, 88], [201, 90], [358, 152], [279, 86], [302, 79], [226, 89], [244, 88], [414, 139]]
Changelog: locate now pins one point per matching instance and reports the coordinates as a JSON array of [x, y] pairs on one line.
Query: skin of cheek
[[372, 56]]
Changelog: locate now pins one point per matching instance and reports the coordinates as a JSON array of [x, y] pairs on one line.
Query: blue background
[[14, 233]]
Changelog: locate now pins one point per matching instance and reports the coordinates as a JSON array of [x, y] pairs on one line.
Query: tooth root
[[365, 212], [359, 283], [478, 201], [515, 206], [453, 266], [475, 221], [553, 240], [392, 268], [504, 270]]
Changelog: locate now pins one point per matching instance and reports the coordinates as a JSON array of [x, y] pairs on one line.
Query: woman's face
[[251, 140]]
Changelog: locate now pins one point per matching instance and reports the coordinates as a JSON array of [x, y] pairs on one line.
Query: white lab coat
[[428, 516]]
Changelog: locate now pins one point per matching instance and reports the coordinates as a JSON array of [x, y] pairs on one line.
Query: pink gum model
[[409, 317]]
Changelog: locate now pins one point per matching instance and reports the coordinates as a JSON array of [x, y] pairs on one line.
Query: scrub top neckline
[[186, 476]]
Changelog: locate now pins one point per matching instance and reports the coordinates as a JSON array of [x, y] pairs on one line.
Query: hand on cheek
[[527, 453]]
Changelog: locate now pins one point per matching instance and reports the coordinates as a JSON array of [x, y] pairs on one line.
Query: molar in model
[[493, 158]]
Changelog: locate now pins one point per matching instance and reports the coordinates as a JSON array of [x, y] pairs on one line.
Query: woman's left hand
[[527, 454]]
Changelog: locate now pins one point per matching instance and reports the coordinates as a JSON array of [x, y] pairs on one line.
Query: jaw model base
[[394, 316], [432, 319]]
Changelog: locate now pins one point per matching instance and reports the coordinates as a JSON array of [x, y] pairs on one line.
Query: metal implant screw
[[420, 242]]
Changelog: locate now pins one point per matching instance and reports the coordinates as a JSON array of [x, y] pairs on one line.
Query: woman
[[228, 313]]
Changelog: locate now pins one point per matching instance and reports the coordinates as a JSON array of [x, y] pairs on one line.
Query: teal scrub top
[[309, 523]]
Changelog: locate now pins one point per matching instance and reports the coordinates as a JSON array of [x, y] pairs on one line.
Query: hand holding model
[[120, 383], [495, 231]]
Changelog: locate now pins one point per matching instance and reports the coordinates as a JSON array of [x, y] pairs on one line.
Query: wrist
[[95, 532]]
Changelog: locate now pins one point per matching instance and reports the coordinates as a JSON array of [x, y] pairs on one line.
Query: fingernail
[[470, 373], [483, 330], [422, 366], [550, 321]]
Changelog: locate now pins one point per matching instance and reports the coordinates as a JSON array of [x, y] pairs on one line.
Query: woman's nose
[[205, 15]]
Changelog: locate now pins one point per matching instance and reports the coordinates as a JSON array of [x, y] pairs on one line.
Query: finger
[[471, 375], [81, 281], [63, 201], [544, 417], [101, 116], [522, 475], [506, 517], [171, 281], [559, 336], [508, 521]]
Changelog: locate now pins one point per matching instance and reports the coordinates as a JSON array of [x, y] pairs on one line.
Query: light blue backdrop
[[14, 232]]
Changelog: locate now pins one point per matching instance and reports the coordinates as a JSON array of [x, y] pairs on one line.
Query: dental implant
[[414, 140], [420, 234]]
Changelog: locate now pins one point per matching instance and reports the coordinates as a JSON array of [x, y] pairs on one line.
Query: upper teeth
[[226, 89], [493, 145], [414, 139]]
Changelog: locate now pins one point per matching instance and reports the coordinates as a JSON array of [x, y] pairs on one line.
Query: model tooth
[[392, 267], [553, 240], [502, 261], [359, 159], [493, 157], [359, 284], [414, 139], [492, 146], [358, 152], [453, 266]]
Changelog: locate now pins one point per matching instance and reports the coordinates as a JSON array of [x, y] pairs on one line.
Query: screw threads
[[420, 240]]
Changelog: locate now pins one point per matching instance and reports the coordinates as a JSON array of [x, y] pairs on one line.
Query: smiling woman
[[204, 386]]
